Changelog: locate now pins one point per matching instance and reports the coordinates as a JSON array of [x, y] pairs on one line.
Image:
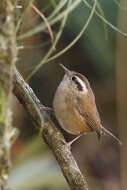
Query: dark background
[[97, 56]]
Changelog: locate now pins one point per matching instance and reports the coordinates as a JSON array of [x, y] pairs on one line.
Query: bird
[[75, 107]]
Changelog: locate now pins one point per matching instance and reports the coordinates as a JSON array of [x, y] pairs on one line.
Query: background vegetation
[[97, 37]]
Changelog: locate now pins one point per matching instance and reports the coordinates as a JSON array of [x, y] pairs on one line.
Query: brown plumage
[[75, 108]]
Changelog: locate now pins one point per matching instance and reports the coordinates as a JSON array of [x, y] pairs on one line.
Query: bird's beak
[[67, 71]]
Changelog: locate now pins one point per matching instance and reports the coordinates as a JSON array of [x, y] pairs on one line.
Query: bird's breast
[[68, 116]]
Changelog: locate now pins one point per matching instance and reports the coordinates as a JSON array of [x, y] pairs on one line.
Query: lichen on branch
[[8, 54]]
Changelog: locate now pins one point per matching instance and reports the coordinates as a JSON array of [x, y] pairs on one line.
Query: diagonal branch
[[51, 134]]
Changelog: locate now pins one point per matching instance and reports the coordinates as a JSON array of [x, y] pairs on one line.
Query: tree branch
[[8, 55], [51, 134]]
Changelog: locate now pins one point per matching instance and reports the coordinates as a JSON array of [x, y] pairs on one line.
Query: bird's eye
[[74, 78], [77, 82]]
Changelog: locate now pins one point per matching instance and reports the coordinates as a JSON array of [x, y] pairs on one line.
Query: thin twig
[[46, 22], [47, 57]]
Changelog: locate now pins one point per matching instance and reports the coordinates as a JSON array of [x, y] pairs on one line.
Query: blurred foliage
[[35, 168], [92, 53]]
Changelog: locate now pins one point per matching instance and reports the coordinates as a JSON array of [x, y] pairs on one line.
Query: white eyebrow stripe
[[85, 90]]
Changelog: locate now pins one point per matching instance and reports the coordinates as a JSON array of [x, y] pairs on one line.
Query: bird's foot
[[71, 142], [67, 144]]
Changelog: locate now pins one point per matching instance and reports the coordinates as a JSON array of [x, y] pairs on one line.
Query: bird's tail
[[106, 132]]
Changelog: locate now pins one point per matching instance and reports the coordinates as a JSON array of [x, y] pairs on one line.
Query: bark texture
[[8, 53]]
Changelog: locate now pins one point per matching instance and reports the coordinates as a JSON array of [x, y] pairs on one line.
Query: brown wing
[[87, 108]]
